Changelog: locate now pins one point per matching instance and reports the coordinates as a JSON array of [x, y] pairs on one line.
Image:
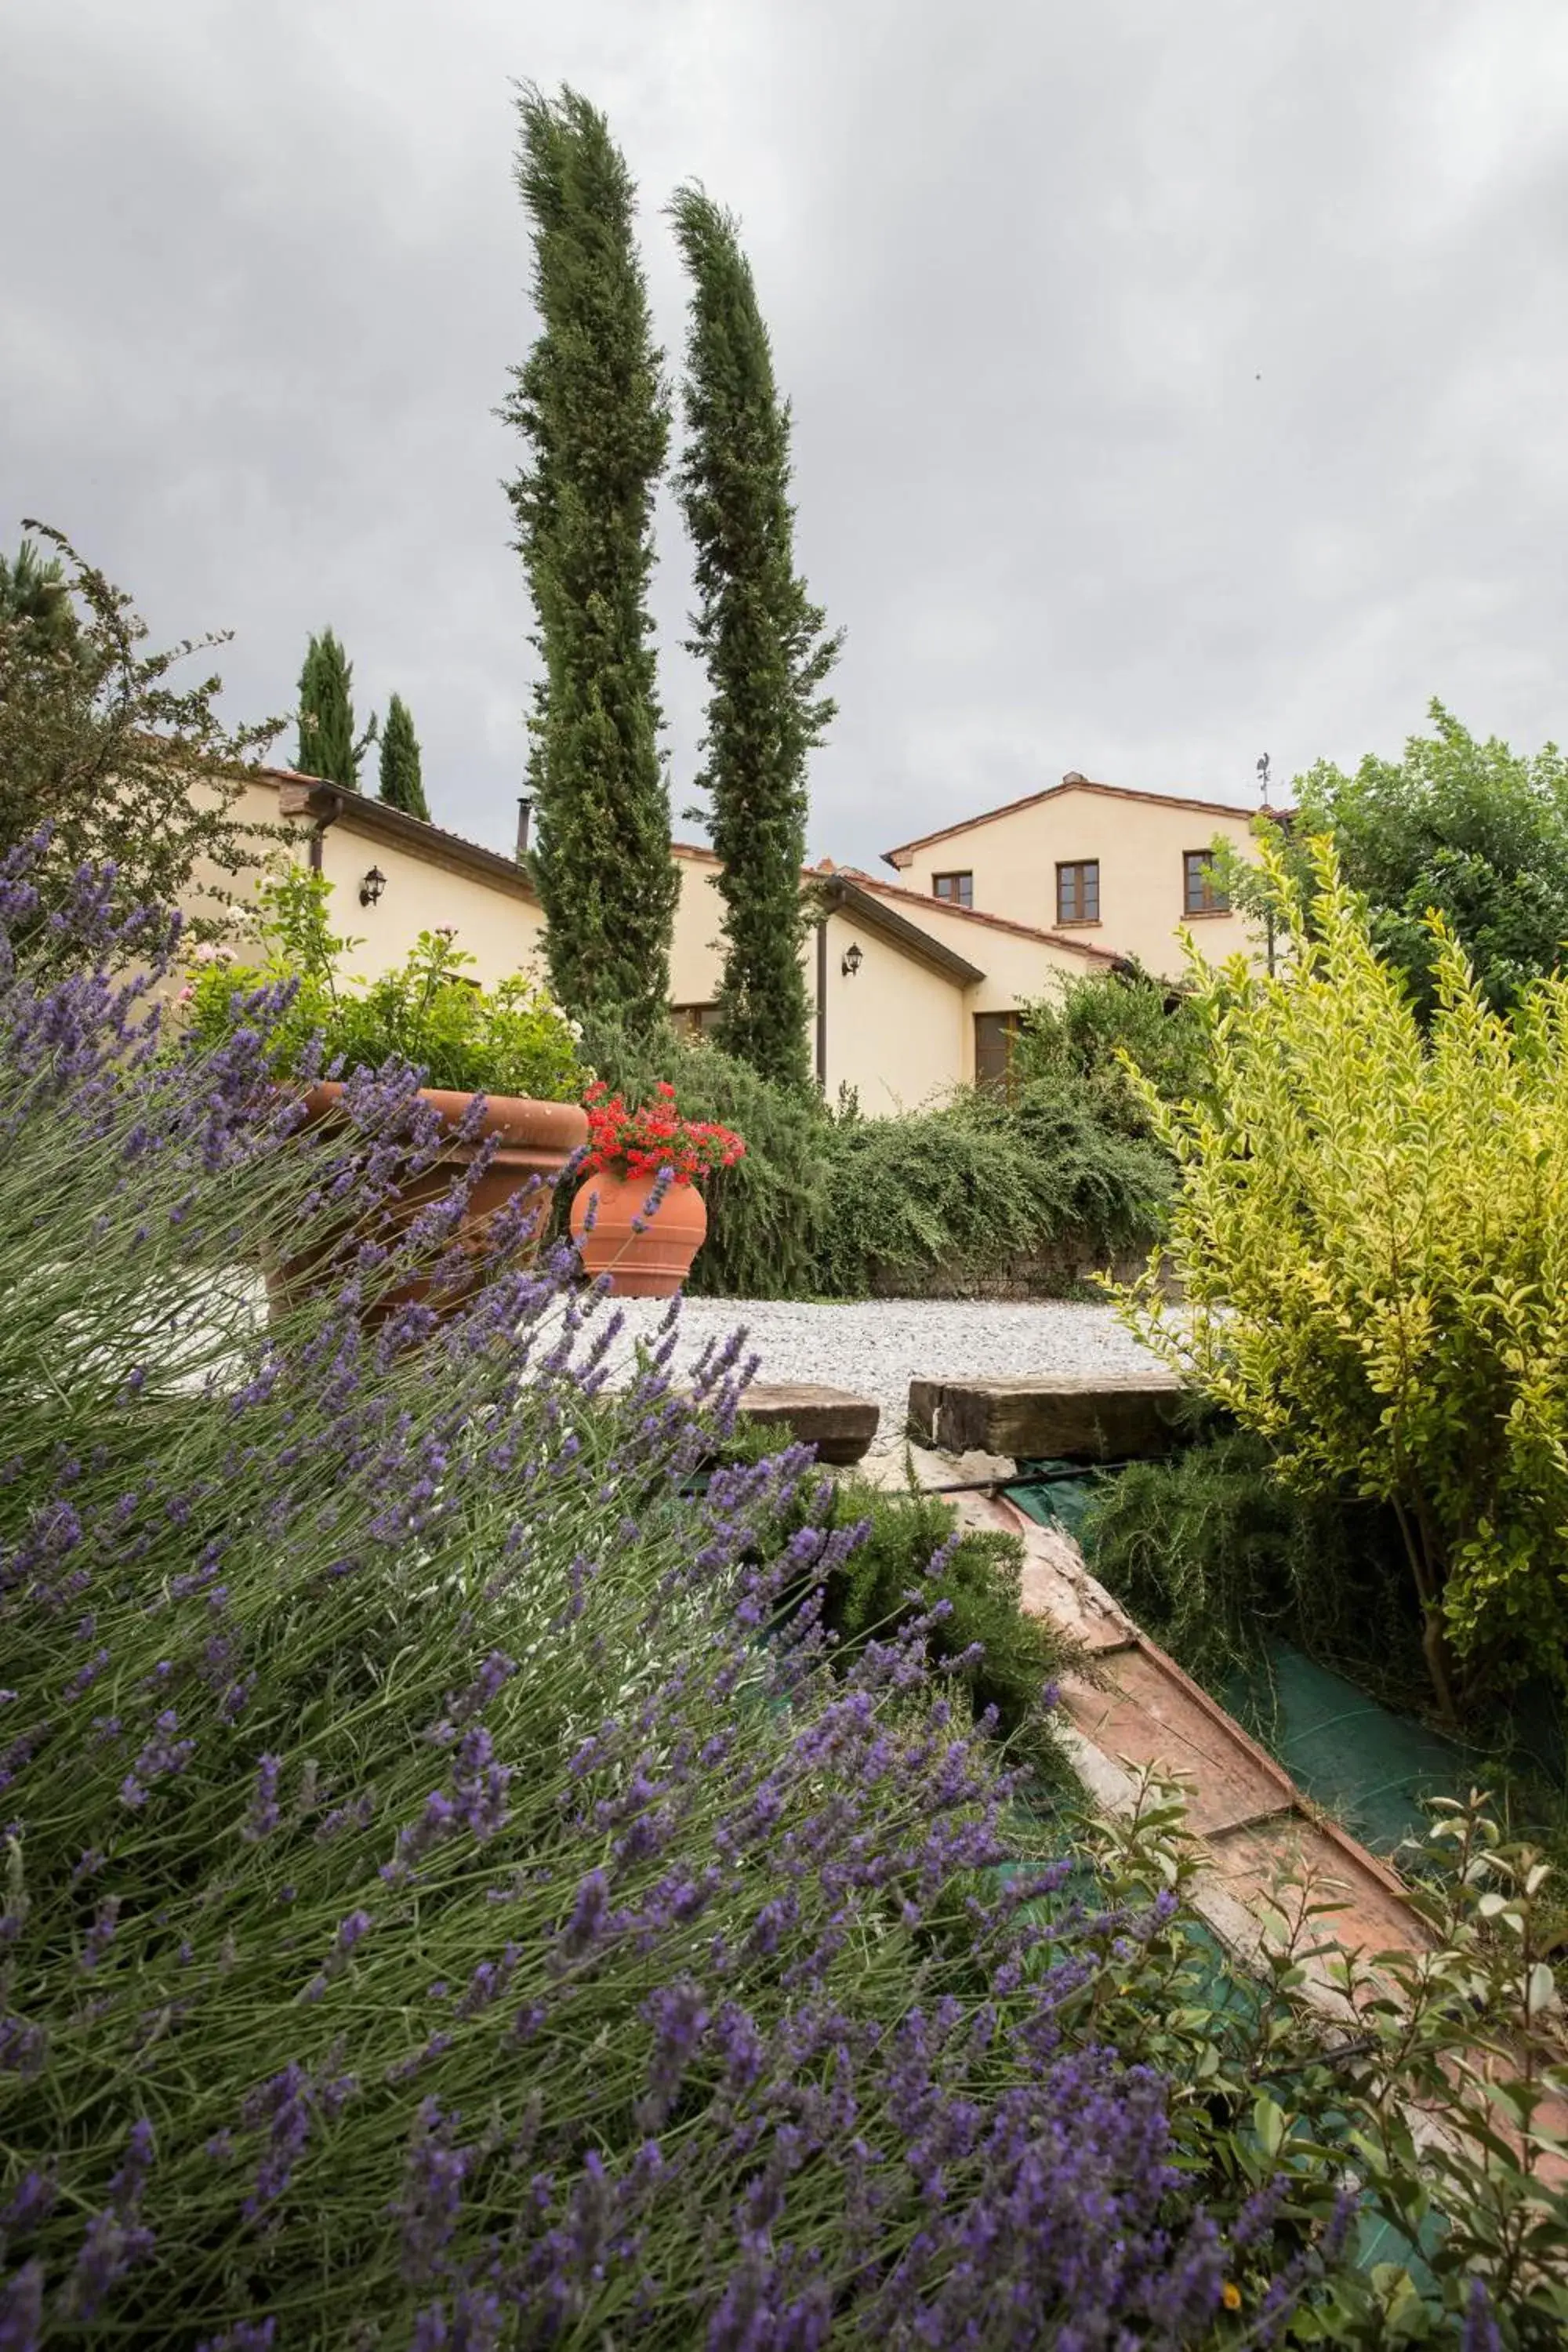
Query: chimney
[[524, 812]]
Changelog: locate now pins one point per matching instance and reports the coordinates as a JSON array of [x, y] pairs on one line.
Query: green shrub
[[914, 1554], [903, 1196], [1095, 1181], [764, 1214], [1372, 1230], [1215, 1555], [1081, 1033], [506, 1040], [979, 1183]]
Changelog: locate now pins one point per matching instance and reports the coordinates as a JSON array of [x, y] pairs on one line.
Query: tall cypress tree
[[402, 780], [590, 402], [327, 745], [763, 641]]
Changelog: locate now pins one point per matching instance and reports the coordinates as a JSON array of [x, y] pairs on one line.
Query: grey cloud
[[266, 271]]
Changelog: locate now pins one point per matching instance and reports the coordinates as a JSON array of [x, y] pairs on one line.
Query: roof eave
[[839, 895]]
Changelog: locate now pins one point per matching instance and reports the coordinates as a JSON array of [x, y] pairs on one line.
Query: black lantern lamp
[[372, 887], [853, 959]]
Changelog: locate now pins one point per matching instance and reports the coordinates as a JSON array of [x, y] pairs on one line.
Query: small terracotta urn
[[651, 1263]]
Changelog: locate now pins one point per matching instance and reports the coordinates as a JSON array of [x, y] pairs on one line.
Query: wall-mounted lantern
[[853, 959], [371, 889]]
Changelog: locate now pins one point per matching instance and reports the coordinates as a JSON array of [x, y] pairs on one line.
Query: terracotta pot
[[651, 1265], [537, 1138]]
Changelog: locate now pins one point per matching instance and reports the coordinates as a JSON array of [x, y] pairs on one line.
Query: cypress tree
[[327, 745], [591, 403], [402, 782], [761, 639]]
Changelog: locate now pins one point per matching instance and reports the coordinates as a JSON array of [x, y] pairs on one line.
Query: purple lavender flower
[[427, 2206], [109, 2248], [356, 1815], [1481, 2332], [100, 1935], [160, 1756], [480, 1784], [433, 1825], [22, 2309], [126, 2187], [351, 1929], [245, 2335], [281, 2106], [22, 2047], [265, 1810], [31, 2203]]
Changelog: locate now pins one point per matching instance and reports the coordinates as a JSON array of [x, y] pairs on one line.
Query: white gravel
[[876, 1347]]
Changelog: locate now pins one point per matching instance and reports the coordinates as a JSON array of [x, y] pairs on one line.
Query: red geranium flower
[[639, 1143]]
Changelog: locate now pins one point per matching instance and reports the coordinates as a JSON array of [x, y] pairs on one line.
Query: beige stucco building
[[1117, 867], [914, 983]]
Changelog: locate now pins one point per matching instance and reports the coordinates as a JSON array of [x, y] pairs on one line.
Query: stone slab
[[1092, 1417]]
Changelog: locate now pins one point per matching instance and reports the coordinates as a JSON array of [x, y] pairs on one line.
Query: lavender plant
[[445, 1901]]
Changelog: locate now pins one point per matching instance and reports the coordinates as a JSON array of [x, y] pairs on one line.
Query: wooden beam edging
[[1250, 1822], [1248, 1856]]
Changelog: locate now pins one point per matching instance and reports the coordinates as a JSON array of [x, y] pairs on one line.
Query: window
[[1077, 892], [995, 1036], [1202, 894], [695, 1021], [958, 889]]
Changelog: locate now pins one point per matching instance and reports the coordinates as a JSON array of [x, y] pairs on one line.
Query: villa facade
[[915, 980]]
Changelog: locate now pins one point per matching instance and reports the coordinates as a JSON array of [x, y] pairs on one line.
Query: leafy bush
[[506, 1040], [1372, 1229], [1470, 829], [1080, 1035], [100, 743]]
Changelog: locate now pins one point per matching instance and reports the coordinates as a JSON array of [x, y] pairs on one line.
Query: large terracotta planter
[[648, 1264], [536, 1140]]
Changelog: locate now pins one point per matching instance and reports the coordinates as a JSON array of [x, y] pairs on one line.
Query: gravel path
[[876, 1347]]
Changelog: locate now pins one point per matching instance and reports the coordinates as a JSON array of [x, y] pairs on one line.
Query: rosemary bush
[[911, 1551], [446, 1902], [833, 1205]]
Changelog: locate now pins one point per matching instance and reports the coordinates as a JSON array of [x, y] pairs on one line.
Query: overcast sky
[[1171, 382]]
